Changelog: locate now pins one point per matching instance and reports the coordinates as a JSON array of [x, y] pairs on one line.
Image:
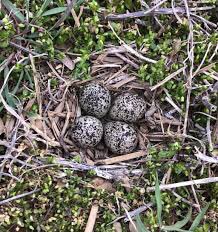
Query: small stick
[[203, 60], [205, 158], [36, 78], [92, 218], [185, 183], [185, 200], [137, 211], [130, 49], [167, 79], [121, 158], [130, 219], [18, 196], [75, 17], [196, 198], [153, 11], [134, 65]]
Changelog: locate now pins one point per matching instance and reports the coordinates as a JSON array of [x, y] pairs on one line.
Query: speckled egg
[[87, 131], [120, 137], [95, 100], [128, 107]]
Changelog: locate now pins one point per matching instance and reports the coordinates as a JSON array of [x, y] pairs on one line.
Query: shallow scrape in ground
[[166, 52]]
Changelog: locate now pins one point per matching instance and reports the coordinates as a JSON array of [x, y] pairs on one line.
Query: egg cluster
[[96, 102]]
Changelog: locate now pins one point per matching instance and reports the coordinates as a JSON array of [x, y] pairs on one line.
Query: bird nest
[[48, 130], [114, 68]]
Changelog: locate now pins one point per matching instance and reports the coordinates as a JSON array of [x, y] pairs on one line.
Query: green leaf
[[43, 7], [198, 219], [179, 224], [158, 201], [139, 224], [27, 3], [129, 4], [12, 8], [178, 230], [53, 11], [6, 93], [18, 83], [9, 98]]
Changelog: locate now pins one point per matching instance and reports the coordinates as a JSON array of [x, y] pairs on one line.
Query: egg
[[119, 137], [128, 107], [87, 131], [95, 100]]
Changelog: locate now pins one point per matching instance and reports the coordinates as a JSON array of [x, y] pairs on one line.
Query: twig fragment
[[185, 183], [122, 158], [18, 196], [92, 218], [167, 79]]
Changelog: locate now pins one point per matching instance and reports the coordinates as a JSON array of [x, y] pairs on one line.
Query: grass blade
[[12, 8], [178, 230], [179, 224], [53, 11], [16, 88], [139, 224], [198, 219], [27, 2], [158, 201], [43, 7], [6, 93]]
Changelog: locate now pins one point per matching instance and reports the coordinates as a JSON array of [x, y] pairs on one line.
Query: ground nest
[[113, 68]]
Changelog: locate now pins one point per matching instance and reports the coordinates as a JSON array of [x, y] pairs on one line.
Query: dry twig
[[185, 183], [92, 218], [122, 158]]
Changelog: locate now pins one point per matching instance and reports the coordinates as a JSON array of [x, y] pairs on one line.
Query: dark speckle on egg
[[95, 100], [128, 107], [120, 137], [87, 131]]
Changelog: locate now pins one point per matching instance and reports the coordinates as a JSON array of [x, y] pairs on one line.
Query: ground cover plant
[[163, 50]]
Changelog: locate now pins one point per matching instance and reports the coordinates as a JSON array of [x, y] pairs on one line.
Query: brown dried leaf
[[2, 127], [3, 217], [99, 183], [132, 228], [117, 227], [41, 125], [68, 63], [126, 183], [113, 60], [29, 104], [89, 161], [100, 59], [9, 125], [123, 82], [37, 122], [59, 109]]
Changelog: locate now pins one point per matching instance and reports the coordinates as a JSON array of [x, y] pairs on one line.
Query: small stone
[[95, 100], [120, 137], [87, 131], [128, 107]]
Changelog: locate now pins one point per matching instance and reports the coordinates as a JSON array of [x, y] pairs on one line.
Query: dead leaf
[[117, 227], [89, 161], [99, 183], [126, 183], [37, 121], [3, 217], [68, 63], [21, 147], [9, 125], [124, 82], [132, 228], [59, 109], [29, 104], [2, 127]]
